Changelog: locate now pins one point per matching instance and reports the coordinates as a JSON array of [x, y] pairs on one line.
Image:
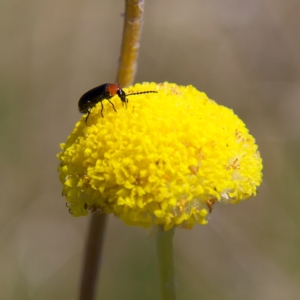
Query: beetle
[[103, 92]]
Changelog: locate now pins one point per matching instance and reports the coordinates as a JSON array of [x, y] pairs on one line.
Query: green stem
[[92, 260], [164, 246]]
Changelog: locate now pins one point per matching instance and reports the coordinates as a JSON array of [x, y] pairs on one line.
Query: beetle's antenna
[[146, 92]]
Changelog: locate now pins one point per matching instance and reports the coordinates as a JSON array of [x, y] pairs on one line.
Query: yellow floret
[[164, 160]]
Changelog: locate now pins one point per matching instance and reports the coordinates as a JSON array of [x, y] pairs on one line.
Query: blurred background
[[243, 54]]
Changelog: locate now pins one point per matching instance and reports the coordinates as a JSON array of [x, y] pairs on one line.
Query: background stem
[[93, 253], [164, 246], [133, 23]]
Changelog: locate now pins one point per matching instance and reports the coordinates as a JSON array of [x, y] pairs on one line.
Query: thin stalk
[[133, 23], [92, 260], [164, 246]]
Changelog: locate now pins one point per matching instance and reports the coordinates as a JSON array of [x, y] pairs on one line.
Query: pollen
[[166, 159]]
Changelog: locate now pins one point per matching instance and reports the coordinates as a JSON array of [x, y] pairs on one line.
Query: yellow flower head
[[164, 160]]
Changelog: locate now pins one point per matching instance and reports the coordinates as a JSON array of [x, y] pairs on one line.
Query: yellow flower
[[164, 160]]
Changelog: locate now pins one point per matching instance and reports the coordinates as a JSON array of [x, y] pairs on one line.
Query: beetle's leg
[[102, 109], [112, 105], [88, 114]]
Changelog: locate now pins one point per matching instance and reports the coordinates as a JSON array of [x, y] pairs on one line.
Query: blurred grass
[[244, 54]]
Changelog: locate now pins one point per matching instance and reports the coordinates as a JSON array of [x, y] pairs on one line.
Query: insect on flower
[[103, 92]]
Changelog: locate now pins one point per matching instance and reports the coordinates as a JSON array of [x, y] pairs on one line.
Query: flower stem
[[164, 246], [133, 23], [93, 253]]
